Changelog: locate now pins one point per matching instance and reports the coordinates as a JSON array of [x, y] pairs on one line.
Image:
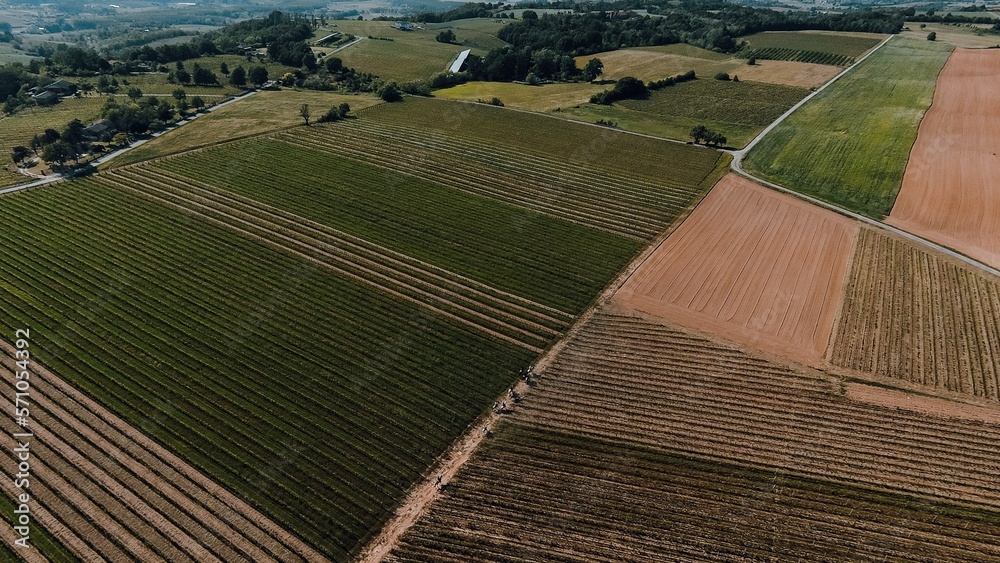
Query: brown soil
[[753, 266], [934, 406], [789, 73], [949, 192]]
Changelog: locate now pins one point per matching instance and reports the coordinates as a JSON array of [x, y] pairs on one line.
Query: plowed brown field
[[753, 266], [642, 442], [949, 192]]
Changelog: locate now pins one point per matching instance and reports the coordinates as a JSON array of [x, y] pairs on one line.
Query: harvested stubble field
[[644, 443], [849, 144], [654, 63], [751, 265], [949, 192], [105, 491], [912, 315]]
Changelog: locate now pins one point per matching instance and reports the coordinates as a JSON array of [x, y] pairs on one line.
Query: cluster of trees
[[446, 36], [55, 147], [671, 80], [15, 81], [199, 75], [541, 45], [700, 133], [627, 88], [465, 11], [200, 47], [510, 63]]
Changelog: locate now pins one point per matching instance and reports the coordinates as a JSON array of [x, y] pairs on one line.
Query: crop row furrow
[[627, 192], [474, 286], [425, 298], [513, 193], [368, 262]]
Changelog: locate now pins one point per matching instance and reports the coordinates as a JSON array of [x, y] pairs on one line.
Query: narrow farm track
[[912, 315], [645, 443], [436, 293], [146, 502]]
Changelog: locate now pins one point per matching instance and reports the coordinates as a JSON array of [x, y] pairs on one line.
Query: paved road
[[738, 168]]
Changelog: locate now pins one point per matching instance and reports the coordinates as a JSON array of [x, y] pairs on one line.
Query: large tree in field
[[304, 113], [258, 75], [593, 69], [238, 77]]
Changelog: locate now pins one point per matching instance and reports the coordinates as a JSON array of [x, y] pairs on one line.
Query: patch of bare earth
[[753, 266], [789, 73], [950, 192]]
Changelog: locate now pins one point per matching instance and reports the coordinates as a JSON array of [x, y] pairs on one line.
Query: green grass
[[850, 45], [261, 113], [317, 398], [412, 55], [850, 144], [19, 128]]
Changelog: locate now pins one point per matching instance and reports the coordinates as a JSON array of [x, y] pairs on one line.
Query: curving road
[[737, 166]]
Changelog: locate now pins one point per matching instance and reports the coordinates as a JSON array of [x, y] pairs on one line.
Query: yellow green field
[[547, 97], [849, 145], [411, 55], [261, 113], [654, 63], [973, 36]]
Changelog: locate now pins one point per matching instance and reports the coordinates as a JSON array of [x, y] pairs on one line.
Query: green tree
[[722, 76], [390, 93], [238, 77], [304, 113], [197, 102], [134, 93], [446, 36], [56, 152], [593, 69], [344, 109], [179, 94], [19, 153], [529, 15], [699, 132], [932, 36], [258, 76], [183, 76], [224, 69]]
